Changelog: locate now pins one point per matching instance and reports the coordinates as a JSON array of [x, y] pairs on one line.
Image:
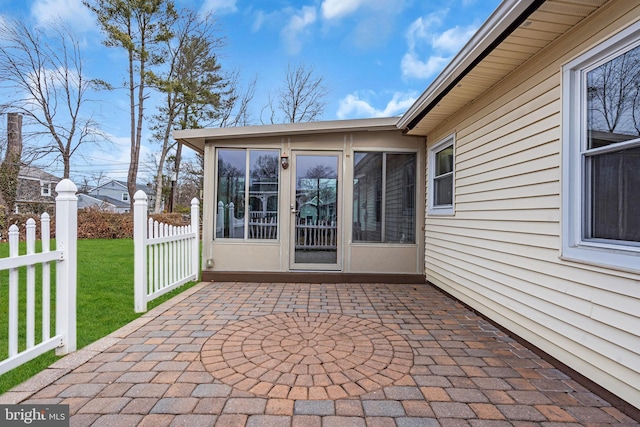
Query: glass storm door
[[315, 207]]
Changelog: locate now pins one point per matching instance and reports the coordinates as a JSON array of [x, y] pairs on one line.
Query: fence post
[[140, 251], [66, 270], [195, 228], [220, 220], [232, 220]]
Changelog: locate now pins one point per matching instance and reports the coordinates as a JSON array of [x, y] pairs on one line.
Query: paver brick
[[141, 405], [147, 390], [117, 420], [521, 413], [452, 410], [418, 408], [231, 420], [314, 407], [306, 421], [268, 421], [590, 415], [407, 356], [387, 408], [351, 408], [486, 411], [403, 393], [279, 407], [174, 405], [249, 406], [417, 422], [341, 421], [466, 395], [104, 405], [82, 390]]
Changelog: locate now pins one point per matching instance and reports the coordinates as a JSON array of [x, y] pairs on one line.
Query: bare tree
[[141, 28], [301, 98], [193, 86], [612, 89], [46, 76], [234, 109]]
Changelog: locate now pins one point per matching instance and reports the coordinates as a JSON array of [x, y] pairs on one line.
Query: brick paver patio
[[245, 354]]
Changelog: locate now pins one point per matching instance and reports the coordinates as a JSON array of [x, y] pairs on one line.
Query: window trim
[[432, 208], [45, 188], [575, 247]]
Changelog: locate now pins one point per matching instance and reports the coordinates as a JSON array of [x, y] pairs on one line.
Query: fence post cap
[[195, 201], [66, 186], [140, 195]]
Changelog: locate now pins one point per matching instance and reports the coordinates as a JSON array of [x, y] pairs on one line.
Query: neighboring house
[[530, 213], [112, 196], [106, 204], [35, 192]]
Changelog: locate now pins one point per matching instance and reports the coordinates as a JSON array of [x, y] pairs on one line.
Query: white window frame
[[432, 208], [575, 247], [125, 197], [45, 188]]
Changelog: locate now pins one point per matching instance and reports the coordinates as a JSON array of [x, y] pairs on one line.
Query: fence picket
[[65, 255], [14, 234], [45, 236], [31, 284], [166, 256]]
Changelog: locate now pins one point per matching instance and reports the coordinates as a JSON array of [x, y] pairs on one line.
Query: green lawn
[[104, 300]]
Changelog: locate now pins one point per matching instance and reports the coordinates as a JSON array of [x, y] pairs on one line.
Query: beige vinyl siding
[[500, 252]]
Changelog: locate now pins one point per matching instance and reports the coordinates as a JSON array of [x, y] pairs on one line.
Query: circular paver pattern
[[307, 356]]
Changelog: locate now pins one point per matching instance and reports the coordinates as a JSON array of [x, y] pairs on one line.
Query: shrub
[[93, 224]]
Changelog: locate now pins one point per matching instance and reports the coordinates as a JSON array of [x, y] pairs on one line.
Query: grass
[[104, 301]]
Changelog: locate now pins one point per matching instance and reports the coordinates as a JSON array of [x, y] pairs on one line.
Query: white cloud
[[219, 6], [77, 15], [420, 30], [453, 39], [298, 23], [334, 9], [352, 106], [413, 67], [437, 47]]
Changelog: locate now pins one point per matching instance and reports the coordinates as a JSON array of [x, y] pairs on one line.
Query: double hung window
[[441, 177], [601, 147]]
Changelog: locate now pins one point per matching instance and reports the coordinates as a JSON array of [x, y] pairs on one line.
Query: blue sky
[[376, 56]]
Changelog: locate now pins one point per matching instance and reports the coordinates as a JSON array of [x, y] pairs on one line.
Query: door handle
[[294, 210]]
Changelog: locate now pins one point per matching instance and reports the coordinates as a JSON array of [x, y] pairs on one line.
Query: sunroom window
[[384, 197], [247, 194], [602, 146]]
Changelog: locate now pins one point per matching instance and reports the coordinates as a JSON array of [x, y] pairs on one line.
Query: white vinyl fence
[[165, 256], [65, 258]]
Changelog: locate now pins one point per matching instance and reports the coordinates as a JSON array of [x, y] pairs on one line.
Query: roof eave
[[502, 22], [195, 138]]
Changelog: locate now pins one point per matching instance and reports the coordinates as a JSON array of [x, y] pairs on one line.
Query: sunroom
[[341, 199]]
